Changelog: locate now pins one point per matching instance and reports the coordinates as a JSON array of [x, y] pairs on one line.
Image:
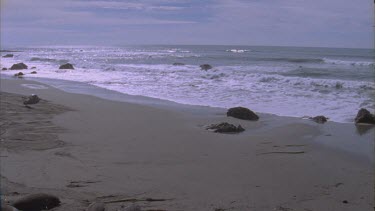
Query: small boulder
[[96, 206], [178, 64], [20, 74], [225, 127], [205, 67], [19, 66], [8, 56], [364, 116], [242, 113], [32, 99], [319, 119], [4, 68], [39, 201], [67, 66], [33, 72]]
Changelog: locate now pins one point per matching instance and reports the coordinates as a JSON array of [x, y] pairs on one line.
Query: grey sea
[[285, 81]]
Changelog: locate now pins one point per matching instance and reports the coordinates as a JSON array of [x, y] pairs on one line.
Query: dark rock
[[364, 116], [225, 127], [5, 207], [33, 72], [33, 67], [67, 66], [39, 201], [205, 66], [19, 66], [19, 74], [4, 68], [32, 99], [8, 56], [178, 64], [96, 206], [319, 119], [345, 201], [242, 113]]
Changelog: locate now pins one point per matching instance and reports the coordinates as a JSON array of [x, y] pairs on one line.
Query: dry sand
[[84, 149]]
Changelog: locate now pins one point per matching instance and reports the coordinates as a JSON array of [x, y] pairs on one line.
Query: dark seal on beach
[[19, 66], [205, 67], [178, 64], [242, 113], [33, 72], [319, 119], [364, 116], [8, 56], [4, 68], [96, 206], [225, 127], [39, 201], [67, 66]]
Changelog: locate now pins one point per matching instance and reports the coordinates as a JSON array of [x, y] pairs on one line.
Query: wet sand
[[84, 149]]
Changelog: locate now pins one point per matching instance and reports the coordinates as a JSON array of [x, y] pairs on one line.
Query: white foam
[[237, 50], [34, 86], [347, 62]]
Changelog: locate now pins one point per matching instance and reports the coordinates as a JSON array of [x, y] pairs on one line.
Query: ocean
[[285, 81]]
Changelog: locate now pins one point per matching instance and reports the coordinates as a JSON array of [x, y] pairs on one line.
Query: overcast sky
[[329, 23]]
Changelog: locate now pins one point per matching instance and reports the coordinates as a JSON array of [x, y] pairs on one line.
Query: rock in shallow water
[[18, 66], [364, 116], [319, 119], [8, 56], [242, 113], [225, 127], [67, 66], [205, 66], [19, 74], [39, 201]]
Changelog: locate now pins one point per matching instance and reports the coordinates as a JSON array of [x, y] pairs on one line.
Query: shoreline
[[76, 87], [284, 89], [129, 150]]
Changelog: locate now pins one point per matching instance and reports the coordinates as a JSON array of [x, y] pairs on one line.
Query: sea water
[[286, 81]]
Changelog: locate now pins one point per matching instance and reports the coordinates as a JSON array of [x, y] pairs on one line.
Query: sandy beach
[[86, 149]]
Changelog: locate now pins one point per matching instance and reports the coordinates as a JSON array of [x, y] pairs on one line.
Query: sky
[[315, 23]]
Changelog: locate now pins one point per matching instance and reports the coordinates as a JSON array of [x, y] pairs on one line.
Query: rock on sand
[[225, 127], [39, 201], [364, 116], [242, 113]]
